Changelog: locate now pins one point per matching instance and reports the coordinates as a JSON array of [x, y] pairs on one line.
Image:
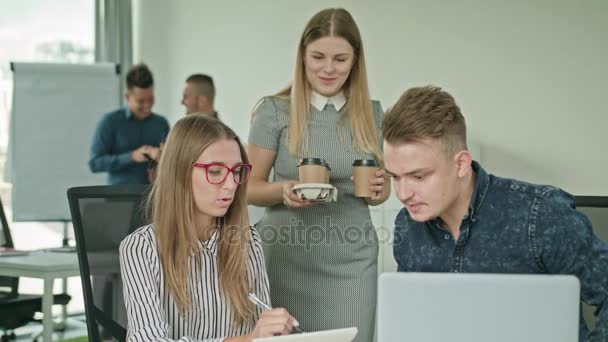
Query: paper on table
[[335, 335]]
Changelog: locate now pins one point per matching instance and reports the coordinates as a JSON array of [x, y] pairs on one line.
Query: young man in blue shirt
[[459, 218], [127, 141]]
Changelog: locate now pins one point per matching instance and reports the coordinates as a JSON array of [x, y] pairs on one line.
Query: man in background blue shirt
[[459, 218], [127, 141]]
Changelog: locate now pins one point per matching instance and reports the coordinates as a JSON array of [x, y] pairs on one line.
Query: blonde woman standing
[[187, 275], [321, 258]]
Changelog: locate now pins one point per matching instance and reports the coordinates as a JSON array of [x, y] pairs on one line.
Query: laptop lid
[[430, 307]]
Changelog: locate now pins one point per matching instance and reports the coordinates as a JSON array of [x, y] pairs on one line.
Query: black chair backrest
[[596, 209], [10, 284], [6, 239], [102, 217]]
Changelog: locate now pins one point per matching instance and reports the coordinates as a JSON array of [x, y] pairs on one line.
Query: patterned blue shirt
[[117, 134], [513, 227]]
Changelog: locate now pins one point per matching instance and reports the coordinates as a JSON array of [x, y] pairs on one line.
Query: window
[[40, 31]]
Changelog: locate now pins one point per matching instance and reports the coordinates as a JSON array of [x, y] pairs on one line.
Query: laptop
[[431, 307]]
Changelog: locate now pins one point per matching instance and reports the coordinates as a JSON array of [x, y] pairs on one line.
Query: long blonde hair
[[171, 206], [332, 22]]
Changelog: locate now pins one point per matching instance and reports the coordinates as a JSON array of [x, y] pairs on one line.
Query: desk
[[47, 266]]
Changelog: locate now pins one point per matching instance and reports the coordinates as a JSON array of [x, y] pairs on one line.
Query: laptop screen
[[430, 307]]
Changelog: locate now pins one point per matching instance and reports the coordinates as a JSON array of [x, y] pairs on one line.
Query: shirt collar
[[482, 182], [319, 101], [210, 245], [212, 114], [128, 113], [213, 241]]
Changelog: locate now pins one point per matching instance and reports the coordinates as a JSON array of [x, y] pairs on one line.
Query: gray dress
[[321, 261]]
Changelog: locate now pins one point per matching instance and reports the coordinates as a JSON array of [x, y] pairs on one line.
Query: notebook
[[334, 335]]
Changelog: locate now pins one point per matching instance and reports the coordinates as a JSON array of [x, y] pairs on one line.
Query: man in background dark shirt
[[126, 141], [199, 95], [459, 218]]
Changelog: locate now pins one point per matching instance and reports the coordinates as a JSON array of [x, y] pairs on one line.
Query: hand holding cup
[[368, 178]]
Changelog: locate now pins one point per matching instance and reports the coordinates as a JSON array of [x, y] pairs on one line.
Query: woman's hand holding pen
[[292, 200], [272, 323]]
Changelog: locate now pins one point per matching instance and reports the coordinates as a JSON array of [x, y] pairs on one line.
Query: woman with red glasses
[[187, 276]]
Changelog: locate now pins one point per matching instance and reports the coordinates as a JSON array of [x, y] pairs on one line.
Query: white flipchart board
[[55, 110]]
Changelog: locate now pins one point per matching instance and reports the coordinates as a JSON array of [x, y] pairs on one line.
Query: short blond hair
[[426, 112]]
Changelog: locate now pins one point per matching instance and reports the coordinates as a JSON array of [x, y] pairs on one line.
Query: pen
[[255, 300]]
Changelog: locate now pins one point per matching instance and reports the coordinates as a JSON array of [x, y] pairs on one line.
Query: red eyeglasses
[[217, 173]]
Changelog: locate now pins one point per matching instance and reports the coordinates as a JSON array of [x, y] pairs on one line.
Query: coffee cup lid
[[366, 162], [313, 161]]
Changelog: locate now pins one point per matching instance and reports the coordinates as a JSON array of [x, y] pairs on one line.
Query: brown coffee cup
[[327, 173], [363, 171], [313, 170]]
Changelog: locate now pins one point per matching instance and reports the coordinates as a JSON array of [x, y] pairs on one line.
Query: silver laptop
[[431, 307]]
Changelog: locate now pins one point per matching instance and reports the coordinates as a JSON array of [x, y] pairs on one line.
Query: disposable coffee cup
[[327, 173], [363, 171], [313, 170]]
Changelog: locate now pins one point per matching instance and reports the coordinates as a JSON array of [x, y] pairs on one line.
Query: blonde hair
[[332, 22], [426, 112], [171, 206]]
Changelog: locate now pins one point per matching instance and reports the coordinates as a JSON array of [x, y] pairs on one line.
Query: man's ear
[[463, 160], [203, 101]]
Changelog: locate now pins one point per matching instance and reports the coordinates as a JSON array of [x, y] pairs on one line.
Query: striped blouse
[[152, 313]]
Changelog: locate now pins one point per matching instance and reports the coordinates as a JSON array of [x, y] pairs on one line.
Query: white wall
[[530, 76]]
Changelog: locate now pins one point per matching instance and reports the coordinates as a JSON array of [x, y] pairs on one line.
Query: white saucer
[[316, 192]]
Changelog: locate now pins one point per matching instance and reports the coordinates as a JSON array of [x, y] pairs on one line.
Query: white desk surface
[[40, 264], [47, 266]]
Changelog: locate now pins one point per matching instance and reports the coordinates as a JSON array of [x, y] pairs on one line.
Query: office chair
[[596, 209], [102, 217], [16, 309]]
